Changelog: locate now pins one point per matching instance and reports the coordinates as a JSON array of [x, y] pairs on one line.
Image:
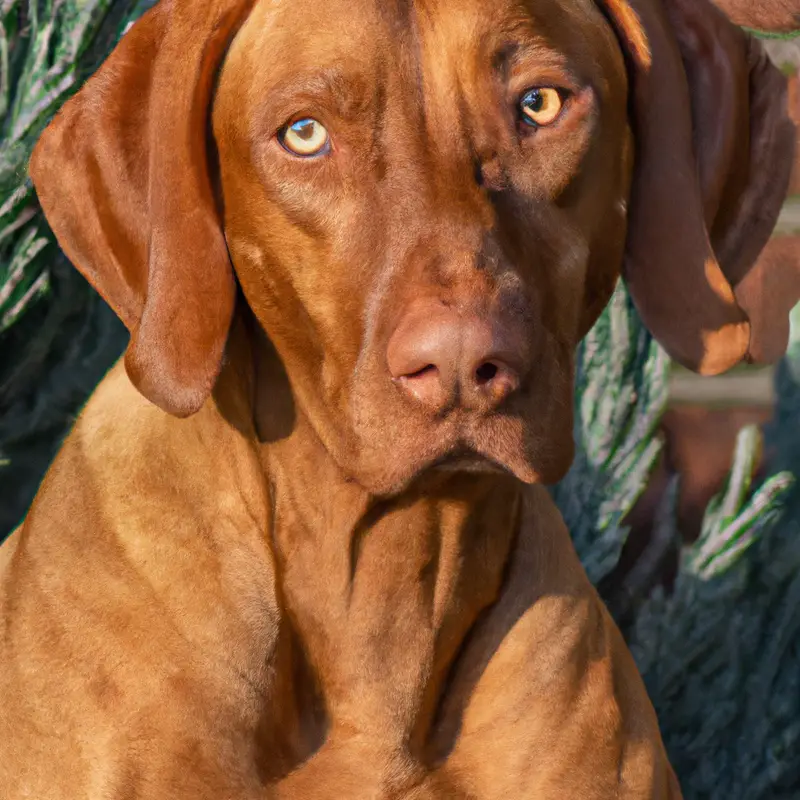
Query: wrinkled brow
[[342, 91], [513, 55]]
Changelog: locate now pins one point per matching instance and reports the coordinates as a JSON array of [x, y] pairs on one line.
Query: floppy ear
[[714, 147], [122, 174], [763, 15]]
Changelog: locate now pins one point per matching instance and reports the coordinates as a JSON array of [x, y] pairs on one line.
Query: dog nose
[[440, 359]]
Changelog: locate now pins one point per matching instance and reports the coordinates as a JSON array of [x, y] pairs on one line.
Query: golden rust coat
[[259, 568]]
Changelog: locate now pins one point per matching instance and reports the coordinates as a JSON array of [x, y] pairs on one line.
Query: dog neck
[[381, 593]]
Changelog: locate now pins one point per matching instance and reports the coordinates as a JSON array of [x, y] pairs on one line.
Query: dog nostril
[[485, 373], [425, 385], [429, 370]]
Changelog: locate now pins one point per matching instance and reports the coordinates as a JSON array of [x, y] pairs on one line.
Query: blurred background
[[682, 501]]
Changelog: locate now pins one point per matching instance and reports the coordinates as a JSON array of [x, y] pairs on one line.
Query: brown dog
[[363, 282]]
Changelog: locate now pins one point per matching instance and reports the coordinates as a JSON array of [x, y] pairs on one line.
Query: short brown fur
[[314, 587]]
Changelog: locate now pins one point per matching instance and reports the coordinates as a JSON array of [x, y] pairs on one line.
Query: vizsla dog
[[299, 545]]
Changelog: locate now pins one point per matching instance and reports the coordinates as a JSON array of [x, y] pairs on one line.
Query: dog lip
[[464, 459]]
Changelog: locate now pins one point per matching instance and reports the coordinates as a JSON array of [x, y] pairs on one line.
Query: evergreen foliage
[[721, 653]]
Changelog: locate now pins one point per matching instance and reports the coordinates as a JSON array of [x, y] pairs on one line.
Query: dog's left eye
[[541, 106], [305, 137]]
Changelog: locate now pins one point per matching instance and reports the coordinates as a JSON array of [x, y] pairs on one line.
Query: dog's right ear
[[122, 174], [714, 147]]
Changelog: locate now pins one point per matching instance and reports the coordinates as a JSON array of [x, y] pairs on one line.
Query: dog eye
[[541, 106], [306, 137]]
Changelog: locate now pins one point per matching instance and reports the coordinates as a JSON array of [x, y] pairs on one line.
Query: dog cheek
[[551, 445], [561, 286]]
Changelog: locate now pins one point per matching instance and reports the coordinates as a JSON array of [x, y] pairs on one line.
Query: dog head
[[426, 205]]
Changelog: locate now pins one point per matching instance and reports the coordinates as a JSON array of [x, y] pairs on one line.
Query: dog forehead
[[354, 15], [410, 34]]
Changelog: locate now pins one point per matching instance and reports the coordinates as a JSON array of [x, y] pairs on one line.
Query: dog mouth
[[480, 444], [412, 447], [466, 459]]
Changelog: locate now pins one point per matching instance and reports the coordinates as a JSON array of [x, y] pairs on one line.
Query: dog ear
[[122, 174], [763, 15], [714, 148]]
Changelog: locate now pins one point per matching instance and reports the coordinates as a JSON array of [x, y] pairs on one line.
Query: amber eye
[[541, 106], [306, 137]]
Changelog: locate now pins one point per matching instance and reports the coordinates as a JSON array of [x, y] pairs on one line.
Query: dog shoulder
[[130, 472]]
